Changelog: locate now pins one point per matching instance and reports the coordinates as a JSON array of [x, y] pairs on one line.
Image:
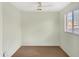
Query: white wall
[[11, 29], [40, 29], [37, 29], [1, 37], [69, 42]]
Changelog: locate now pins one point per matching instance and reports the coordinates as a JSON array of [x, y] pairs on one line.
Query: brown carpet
[[40, 51]]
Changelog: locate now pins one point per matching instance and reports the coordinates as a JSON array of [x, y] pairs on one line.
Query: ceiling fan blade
[[39, 4]]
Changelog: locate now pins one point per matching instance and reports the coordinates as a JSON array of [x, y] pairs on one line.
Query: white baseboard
[[10, 53], [40, 45], [65, 50]]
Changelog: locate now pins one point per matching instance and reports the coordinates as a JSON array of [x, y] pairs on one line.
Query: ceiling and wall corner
[[40, 27], [29, 9]]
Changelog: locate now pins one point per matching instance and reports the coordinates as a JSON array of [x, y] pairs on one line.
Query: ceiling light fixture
[[39, 7]]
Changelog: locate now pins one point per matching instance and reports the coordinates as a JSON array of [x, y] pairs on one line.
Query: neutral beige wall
[[69, 42], [11, 29], [1, 32], [40, 28]]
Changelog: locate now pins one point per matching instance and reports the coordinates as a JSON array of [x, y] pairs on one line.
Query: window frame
[[66, 20]]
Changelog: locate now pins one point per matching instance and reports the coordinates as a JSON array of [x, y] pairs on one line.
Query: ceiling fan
[[39, 7]]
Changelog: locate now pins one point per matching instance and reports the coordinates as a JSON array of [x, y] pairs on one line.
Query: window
[[72, 22], [76, 21], [69, 22]]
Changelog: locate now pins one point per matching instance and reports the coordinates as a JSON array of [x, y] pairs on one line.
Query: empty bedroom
[[39, 29]]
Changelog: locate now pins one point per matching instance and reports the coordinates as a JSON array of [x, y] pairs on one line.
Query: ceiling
[[45, 6]]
